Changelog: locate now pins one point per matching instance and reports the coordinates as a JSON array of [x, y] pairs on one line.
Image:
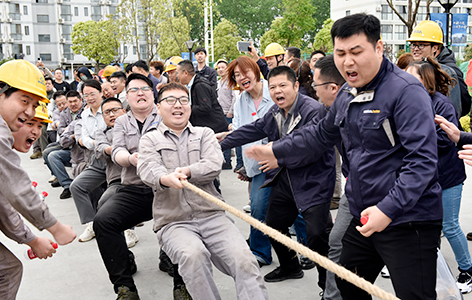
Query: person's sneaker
[[227, 166], [280, 275], [181, 293], [165, 264], [236, 169], [65, 194], [88, 234], [124, 293], [306, 263], [131, 238], [36, 155], [247, 208], [385, 273], [464, 282], [469, 236], [55, 183], [52, 179]]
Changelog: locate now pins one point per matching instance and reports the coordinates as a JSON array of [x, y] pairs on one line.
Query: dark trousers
[[128, 207], [282, 212], [409, 250]]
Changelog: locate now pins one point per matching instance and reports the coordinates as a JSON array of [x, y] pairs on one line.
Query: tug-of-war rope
[[294, 245]]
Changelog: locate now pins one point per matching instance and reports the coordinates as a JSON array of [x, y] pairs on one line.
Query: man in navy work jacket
[[386, 123], [306, 190]]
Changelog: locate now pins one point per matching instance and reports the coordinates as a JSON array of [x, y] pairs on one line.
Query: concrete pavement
[[76, 271]]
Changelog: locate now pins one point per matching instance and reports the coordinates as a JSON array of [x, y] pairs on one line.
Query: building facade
[[394, 32]]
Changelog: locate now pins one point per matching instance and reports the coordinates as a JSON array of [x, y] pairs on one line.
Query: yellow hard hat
[[273, 49], [108, 71], [171, 64], [42, 112], [220, 60], [427, 31], [25, 76]]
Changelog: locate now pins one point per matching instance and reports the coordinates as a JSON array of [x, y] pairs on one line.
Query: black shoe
[[124, 293], [469, 236], [280, 275], [65, 194], [306, 263], [55, 183], [165, 264], [227, 166], [236, 169], [133, 267]]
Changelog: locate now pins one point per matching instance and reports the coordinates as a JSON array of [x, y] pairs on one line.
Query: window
[[402, 11], [15, 11], [66, 32], [125, 50], [28, 50], [44, 37], [143, 51], [421, 13], [43, 18], [76, 11], [65, 10], [68, 53], [15, 31], [26, 30], [25, 10], [45, 56], [386, 12], [386, 31], [400, 32], [348, 12], [41, 1], [134, 50], [112, 10], [96, 13], [435, 10], [86, 11], [17, 48]]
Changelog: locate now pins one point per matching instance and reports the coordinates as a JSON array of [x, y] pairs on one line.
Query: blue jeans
[[259, 243], [300, 228], [239, 152], [451, 227], [57, 162], [49, 149]]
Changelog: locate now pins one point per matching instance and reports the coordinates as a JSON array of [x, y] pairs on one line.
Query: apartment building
[[394, 32]]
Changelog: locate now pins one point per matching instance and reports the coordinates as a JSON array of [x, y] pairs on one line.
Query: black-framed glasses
[[314, 86], [171, 100], [113, 110], [419, 46], [136, 89]]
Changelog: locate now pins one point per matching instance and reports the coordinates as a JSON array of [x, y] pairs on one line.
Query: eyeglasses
[[314, 86], [113, 110], [90, 95], [419, 46], [171, 100], [136, 89]]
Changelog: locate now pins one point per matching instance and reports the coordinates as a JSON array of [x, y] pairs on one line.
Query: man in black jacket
[[206, 111]]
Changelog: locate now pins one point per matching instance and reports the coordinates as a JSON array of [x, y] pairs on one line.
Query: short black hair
[[57, 69], [357, 24], [118, 74], [328, 70], [317, 52], [129, 68], [137, 76], [115, 64], [112, 99], [72, 94], [200, 49], [187, 65], [58, 94], [46, 78], [294, 51], [93, 84], [169, 87], [283, 70], [142, 65]]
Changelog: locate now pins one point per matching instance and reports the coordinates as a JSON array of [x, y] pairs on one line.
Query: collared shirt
[[90, 125], [226, 96], [189, 86], [244, 113], [285, 121]]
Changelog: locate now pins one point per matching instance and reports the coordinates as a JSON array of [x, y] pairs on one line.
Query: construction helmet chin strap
[[277, 59], [3, 89]]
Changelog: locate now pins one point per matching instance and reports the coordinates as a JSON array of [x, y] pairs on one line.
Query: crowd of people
[[350, 131]]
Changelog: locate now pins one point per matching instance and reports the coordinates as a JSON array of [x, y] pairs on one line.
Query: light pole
[[189, 45], [447, 5]]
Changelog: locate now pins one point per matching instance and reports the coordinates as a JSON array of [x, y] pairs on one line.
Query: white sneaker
[[464, 282], [52, 179], [131, 238], [88, 234], [247, 208], [385, 273]]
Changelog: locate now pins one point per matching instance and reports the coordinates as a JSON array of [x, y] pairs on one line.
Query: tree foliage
[[193, 11], [174, 31], [323, 39], [297, 21], [273, 34], [95, 40], [225, 39]]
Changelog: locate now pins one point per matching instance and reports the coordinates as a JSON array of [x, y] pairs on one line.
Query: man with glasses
[[427, 40], [132, 204], [194, 231]]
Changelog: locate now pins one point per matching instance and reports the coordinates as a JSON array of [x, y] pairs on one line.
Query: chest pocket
[[169, 155], [132, 140], [376, 133], [194, 148]]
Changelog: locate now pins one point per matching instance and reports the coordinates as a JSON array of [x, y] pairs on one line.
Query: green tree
[[297, 21], [193, 11], [323, 39], [273, 34], [125, 22], [468, 52], [225, 39], [174, 31], [95, 40]]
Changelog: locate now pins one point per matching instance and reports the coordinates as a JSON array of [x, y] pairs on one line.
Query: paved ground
[[77, 271]]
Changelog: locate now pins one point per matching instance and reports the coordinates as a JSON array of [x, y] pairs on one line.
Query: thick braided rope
[[292, 244]]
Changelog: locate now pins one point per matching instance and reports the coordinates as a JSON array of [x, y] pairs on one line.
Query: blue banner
[[459, 29], [185, 55], [440, 19]]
